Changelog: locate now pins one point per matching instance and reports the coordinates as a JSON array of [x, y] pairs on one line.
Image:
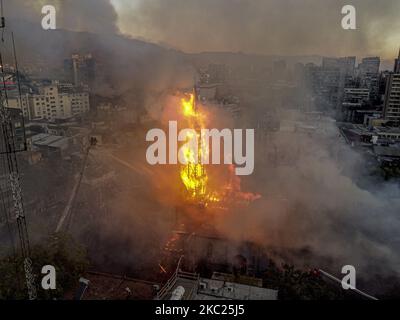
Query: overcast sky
[[285, 27]]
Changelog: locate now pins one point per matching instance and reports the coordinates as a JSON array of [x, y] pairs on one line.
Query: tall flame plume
[[193, 173]]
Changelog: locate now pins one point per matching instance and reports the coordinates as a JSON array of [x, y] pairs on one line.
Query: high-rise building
[[327, 82], [369, 66], [80, 70], [57, 102], [369, 76], [218, 73], [397, 64], [353, 100], [346, 65], [392, 98], [343, 70], [391, 110]]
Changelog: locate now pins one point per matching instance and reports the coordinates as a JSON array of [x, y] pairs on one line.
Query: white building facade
[[51, 103]]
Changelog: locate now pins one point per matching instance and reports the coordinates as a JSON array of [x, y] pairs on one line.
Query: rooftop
[[189, 286], [210, 289], [392, 152], [48, 140]]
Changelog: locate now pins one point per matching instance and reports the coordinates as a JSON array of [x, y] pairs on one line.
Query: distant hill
[[122, 63], [125, 64]]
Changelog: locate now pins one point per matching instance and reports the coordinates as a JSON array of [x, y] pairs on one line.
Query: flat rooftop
[[210, 289], [194, 287], [44, 139], [383, 151]]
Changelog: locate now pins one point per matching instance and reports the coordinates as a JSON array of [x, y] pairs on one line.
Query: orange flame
[[193, 174]]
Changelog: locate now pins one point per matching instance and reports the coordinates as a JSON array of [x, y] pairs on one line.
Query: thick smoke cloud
[[126, 68], [312, 200], [97, 16], [285, 27], [289, 27]]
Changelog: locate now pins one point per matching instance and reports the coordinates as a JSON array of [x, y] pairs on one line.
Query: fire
[[193, 174], [188, 106]]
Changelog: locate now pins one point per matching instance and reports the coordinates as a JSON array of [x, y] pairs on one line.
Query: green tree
[[59, 250]]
